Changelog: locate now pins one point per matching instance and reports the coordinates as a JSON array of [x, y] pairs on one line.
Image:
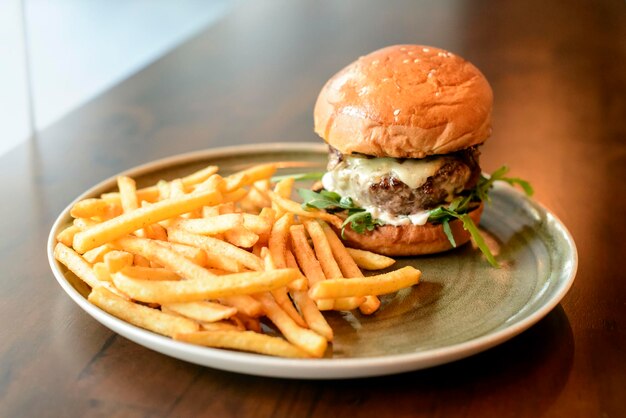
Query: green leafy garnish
[[460, 206], [317, 175], [358, 218]]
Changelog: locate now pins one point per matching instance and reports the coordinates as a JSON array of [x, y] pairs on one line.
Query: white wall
[[79, 48], [14, 105]]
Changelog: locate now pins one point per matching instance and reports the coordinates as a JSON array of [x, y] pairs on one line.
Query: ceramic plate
[[461, 307]]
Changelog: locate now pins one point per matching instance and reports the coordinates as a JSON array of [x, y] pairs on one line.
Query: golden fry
[[363, 286], [128, 193], [209, 287], [245, 304], [164, 256], [243, 341], [370, 261], [312, 315], [202, 311], [308, 263], [217, 247], [348, 267], [150, 273], [278, 240], [129, 222], [142, 316], [307, 340], [67, 235], [117, 260], [90, 208]]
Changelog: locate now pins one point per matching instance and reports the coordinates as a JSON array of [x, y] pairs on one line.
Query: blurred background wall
[[58, 54]]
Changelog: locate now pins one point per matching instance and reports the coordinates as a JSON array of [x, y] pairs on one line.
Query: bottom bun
[[407, 240]]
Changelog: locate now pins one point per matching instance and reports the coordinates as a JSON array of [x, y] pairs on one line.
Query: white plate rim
[[260, 365]]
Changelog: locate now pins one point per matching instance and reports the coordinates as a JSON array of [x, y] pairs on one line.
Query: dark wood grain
[[558, 74]]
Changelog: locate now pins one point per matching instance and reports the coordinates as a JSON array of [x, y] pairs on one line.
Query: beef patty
[[459, 172]]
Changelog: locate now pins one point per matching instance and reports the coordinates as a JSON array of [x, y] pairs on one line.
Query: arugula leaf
[[358, 218], [315, 175], [460, 206]]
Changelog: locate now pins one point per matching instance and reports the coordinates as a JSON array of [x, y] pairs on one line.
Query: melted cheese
[[355, 174], [413, 173]]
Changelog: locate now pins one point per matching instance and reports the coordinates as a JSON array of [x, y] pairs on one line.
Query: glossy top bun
[[405, 101], [407, 240]]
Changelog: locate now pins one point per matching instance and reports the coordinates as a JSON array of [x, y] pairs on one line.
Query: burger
[[404, 125]]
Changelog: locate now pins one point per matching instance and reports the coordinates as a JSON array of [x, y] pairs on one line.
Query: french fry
[[243, 341], [156, 232], [102, 272], [129, 222], [308, 263], [167, 257], [283, 188], [241, 237], [208, 287], [76, 264], [226, 208], [267, 215], [90, 208], [370, 261], [301, 283], [177, 188], [249, 176], [211, 225], [245, 304], [140, 261], [128, 193], [210, 211], [202, 311], [149, 273], [307, 340], [250, 323], [81, 268], [97, 254], [151, 194], [278, 240], [363, 286], [259, 224], [220, 326], [280, 295], [312, 315], [295, 208], [66, 236], [329, 265], [164, 189], [117, 260], [213, 182], [235, 196], [217, 247], [348, 267], [84, 223], [142, 316], [196, 255], [216, 261]]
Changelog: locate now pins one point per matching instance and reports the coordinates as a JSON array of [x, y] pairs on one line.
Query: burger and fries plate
[[460, 307]]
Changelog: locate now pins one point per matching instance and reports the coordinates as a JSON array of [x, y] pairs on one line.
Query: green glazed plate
[[461, 307]]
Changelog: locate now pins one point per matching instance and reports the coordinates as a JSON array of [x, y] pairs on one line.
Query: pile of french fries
[[215, 260]]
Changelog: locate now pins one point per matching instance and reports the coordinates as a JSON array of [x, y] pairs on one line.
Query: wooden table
[[558, 70]]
